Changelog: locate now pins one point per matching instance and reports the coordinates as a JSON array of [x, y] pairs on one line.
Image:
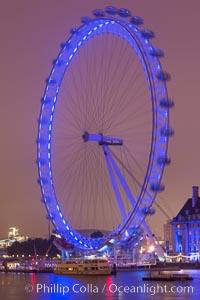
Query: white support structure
[[115, 186], [115, 173], [120, 176]]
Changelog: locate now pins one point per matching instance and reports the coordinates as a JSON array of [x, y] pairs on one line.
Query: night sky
[[31, 33]]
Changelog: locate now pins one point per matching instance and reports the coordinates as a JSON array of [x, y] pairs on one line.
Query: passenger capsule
[[48, 199], [157, 187], [165, 102], [147, 34], [44, 181], [167, 132], [111, 10], [164, 76], [123, 12], [51, 81], [85, 20], [51, 217], [99, 13], [148, 211], [156, 52], [164, 160], [65, 45], [73, 30], [137, 20]]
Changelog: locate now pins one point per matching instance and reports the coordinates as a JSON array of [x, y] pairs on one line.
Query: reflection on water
[[124, 285]]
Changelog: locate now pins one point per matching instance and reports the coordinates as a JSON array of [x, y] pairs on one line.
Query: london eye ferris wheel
[[103, 129]]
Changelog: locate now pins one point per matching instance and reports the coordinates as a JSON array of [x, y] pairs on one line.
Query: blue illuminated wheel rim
[[63, 120]]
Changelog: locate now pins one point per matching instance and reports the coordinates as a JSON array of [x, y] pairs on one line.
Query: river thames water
[[123, 285]]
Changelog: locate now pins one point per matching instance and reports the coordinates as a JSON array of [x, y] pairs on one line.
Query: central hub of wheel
[[102, 139]]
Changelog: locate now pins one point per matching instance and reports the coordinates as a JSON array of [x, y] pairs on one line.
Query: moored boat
[[168, 277], [84, 267]]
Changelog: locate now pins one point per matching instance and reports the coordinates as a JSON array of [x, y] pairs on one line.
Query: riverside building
[[182, 233]]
